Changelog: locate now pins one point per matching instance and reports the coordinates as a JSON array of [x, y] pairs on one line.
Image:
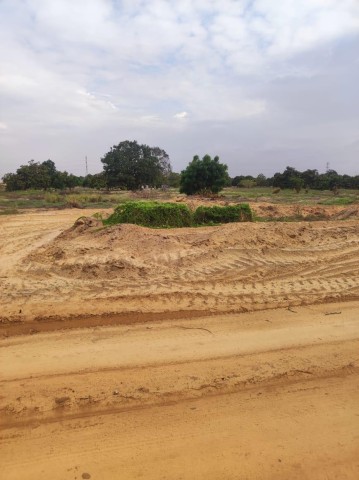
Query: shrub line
[[173, 215]]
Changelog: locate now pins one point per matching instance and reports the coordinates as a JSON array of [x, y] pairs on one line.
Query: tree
[[297, 183], [310, 178], [174, 179], [131, 165], [248, 183], [245, 181], [11, 182], [206, 175], [33, 175], [97, 181], [236, 180], [261, 180], [39, 176], [283, 180], [330, 180]]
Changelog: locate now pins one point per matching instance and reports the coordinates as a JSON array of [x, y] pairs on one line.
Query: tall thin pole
[[86, 165]]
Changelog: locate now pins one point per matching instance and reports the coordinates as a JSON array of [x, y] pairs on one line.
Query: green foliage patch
[[174, 215], [151, 214], [228, 214]]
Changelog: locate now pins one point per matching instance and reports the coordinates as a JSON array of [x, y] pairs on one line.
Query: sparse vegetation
[[79, 197]]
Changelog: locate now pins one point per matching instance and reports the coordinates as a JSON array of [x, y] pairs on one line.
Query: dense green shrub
[[204, 176], [216, 214], [162, 215], [151, 214]]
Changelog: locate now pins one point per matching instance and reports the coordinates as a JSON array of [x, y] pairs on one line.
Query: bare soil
[[226, 352]]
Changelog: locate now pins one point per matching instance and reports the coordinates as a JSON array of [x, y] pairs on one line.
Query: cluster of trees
[[295, 179], [37, 175], [330, 180], [127, 165], [130, 165]]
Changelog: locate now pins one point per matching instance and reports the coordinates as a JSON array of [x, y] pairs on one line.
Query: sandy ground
[[214, 353]]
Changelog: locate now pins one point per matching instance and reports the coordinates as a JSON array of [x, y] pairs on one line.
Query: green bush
[[166, 215], [232, 213], [151, 214]]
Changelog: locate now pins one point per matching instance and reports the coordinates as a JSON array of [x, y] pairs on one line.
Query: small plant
[[296, 183]]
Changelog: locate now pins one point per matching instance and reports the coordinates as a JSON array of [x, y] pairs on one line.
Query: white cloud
[[181, 115], [218, 60]]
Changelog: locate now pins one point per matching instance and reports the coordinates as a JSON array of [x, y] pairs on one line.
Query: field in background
[[17, 202]]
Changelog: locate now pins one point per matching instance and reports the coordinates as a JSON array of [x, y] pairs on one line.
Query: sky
[[260, 83]]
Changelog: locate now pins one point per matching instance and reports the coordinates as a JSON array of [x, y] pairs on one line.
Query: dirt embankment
[[128, 271]]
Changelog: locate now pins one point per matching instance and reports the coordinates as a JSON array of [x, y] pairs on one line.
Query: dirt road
[[155, 384]]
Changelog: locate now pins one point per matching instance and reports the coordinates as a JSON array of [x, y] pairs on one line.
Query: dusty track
[[229, 353]]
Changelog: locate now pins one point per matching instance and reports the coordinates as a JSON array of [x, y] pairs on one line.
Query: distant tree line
[[295, 179], [131, 166], [128, 165], [43, 176]]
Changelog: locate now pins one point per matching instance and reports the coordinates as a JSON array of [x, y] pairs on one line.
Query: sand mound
[[89, 250], [91, 270]]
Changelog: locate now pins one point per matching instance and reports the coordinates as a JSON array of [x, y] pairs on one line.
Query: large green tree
[[131, 165], [284, 180], [206, 175]]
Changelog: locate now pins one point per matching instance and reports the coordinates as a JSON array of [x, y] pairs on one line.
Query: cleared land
[[220, 352]]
